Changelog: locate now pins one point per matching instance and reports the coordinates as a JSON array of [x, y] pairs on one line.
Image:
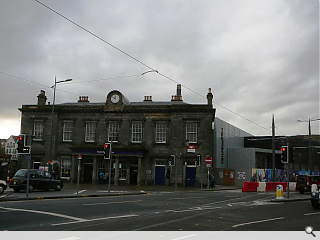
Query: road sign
[[208, 160], [80, 157], [191, 148]]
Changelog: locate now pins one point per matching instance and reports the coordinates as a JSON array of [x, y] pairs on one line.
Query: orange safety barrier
[[250, 186], [272, 186]]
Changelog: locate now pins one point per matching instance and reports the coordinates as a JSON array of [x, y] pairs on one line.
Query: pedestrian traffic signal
[[198, 160], [172, 160], [107, 151], [284, 154], [21, 143]]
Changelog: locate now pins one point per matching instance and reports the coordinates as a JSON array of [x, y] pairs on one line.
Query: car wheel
[[1, 189], [58, 187], [315, 205], [31, 188]]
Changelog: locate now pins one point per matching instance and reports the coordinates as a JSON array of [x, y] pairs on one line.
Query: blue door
[[160, 175], [191, 176]]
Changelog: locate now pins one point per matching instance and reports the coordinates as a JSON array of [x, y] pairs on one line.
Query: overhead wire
[[135, 59]]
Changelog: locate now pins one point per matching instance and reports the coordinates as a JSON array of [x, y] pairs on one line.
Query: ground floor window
[[65, 167], [122, 169]]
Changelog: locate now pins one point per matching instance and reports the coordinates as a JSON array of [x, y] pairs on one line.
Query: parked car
[[304, 182], [39, 179], [3, 186]]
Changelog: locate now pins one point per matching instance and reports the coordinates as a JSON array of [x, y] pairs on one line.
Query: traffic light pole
[[288, 176]]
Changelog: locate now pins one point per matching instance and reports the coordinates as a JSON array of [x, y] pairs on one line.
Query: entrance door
[[191, 176], [133, 175], [160, 175], [228, 177], [87, 172]]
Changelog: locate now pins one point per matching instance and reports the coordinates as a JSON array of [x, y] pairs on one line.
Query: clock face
[[115, 98]]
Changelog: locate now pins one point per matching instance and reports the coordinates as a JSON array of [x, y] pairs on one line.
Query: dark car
[[39, 179], [304, 182]]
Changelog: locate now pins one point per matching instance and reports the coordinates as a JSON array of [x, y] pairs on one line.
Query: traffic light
[[198, 160], [107, 150], [21, 143], [172, 160], [284, 154]]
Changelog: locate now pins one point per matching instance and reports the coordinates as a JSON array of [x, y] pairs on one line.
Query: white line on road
[[96, 219], [80, 191], [46, 213], [3, 196], [104, 191], [70, 238], [185, 198], [193, 209], [266, 220], [91, 204], [311, 213], [185, 237]]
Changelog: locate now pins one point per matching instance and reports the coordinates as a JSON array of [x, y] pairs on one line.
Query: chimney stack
[[177, 97], [42, 99], [83, 99], [147, 99], [209, 97]]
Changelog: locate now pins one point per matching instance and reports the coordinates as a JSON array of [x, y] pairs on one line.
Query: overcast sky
[[259, 57]]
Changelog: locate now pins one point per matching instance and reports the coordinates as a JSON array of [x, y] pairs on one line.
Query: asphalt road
[[161, 211]]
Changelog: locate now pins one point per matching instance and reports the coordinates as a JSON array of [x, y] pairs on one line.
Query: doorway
[[159, 175], [133, 174], [87, 172]]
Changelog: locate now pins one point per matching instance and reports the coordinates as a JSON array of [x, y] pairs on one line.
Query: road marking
[[193, 209], [4, 196], [311, 213], [104, 191], [70, 238], [266, 220], [184, 198], [46, 213], [96, 219], [185, 237], [91, 204], [80, 191]]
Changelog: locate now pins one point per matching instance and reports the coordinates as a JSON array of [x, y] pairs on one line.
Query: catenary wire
[[144, 63]]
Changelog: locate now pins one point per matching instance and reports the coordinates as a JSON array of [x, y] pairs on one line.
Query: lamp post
[[309, 147], [54, 98], [186, 163]]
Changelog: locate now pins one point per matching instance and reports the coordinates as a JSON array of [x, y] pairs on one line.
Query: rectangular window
[[113, 132], [67, 131], [191, 132], [65, 167], [37, 130], [137, 132], [90, 132], [161, 133], [122, 169]]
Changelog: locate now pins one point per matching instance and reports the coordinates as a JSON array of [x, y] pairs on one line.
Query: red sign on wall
[[191, 149]]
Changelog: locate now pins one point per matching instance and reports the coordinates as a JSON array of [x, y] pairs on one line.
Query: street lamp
[[309, 150], [54, 98], [187, 144]]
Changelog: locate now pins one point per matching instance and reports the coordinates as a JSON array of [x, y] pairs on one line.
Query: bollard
[[279, 192]]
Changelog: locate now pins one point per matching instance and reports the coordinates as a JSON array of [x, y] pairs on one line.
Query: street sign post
[[208, 161], [78, 178]]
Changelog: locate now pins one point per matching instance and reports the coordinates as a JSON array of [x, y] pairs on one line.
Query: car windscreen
[[21, 173], [315, 179], [302, 179]]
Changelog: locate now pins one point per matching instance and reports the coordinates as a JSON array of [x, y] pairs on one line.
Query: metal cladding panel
[[226, 136]]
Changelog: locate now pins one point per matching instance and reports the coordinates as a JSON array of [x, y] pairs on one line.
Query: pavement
[[98, 190]]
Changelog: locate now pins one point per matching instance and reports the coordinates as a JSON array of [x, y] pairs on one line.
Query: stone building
[[144, 135]]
